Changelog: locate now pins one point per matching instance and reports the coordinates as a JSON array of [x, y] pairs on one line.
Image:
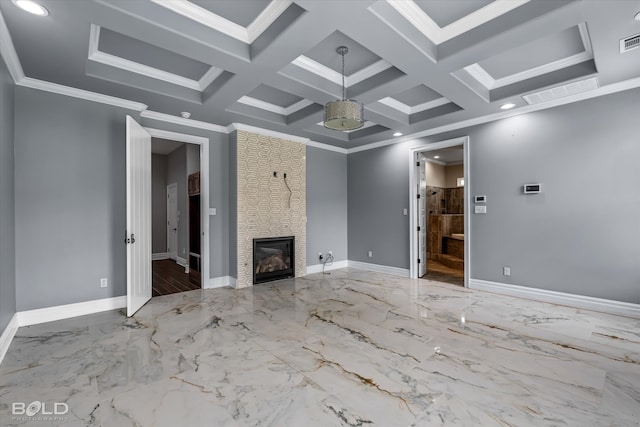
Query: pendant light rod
[[342, 51]]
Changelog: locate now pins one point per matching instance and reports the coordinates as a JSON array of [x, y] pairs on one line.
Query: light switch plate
[[480, 209]]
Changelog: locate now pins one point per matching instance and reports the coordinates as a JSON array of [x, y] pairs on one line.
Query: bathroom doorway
[[438, 214]]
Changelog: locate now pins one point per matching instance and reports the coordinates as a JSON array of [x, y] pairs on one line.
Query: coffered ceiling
[[416, 65]]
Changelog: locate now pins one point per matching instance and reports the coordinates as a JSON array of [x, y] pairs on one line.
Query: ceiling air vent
[[630, 43], [562, 91]]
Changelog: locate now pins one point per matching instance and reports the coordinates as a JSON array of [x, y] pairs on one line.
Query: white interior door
[[138, 234], [172, 221], [422, 216]]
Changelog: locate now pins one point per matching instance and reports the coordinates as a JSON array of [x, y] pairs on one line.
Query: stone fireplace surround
[[265, 206]]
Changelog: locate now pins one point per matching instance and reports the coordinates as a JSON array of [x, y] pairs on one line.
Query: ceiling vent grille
[[562, 91], [630, 43]]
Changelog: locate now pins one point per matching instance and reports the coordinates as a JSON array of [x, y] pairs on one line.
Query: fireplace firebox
[[273, 259]]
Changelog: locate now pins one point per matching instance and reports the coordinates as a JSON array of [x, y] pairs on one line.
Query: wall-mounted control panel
[[480, 199], [480, 209], [532, 188]]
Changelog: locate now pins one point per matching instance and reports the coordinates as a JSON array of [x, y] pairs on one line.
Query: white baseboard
[[311, 269], [590, 303], [7, 336], [159, 256], [219, 282], [59, 312], [404, 272]]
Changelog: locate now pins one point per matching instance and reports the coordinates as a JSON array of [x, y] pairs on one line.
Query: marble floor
[[353, 348]]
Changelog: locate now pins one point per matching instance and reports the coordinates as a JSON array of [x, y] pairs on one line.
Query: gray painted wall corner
[[7, 199]]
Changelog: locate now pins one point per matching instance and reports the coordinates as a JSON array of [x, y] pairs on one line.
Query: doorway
[[180, 239], [440, 211]]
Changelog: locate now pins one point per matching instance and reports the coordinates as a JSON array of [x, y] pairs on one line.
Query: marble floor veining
[[352, 348]]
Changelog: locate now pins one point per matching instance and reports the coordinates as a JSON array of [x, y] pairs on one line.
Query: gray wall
[[218, 192], [7, 200], [326, 204], [193, 158], [378, 187], [158, 203], [579, 236], [177, 174], [70, 199]]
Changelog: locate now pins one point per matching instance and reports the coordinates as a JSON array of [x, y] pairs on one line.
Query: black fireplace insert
[[273, 259]]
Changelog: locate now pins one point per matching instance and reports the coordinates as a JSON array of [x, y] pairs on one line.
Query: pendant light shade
[[343, 114]]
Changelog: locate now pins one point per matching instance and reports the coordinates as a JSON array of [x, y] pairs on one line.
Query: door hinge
[[418, 260], [418, 196], [417, 163], [418, 228]]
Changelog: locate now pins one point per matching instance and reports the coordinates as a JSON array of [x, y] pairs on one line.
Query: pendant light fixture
[[343, 114]]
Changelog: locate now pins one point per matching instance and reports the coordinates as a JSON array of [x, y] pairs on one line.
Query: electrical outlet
[[103, 282], [506, 271], [370, 254]]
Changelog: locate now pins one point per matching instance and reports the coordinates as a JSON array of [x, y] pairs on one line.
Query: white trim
[[336, 265], [8, 52], [159, 256], [485, 79], [59, 312], [168, 118], [96, 55], [205, 17], [219, 282], [561, 298], [283, 111], [413, 204], [427, 26], [80, 93], [7, 335], [333, 76], [204, 191], [601, 91], [406, 109], [379, 268]]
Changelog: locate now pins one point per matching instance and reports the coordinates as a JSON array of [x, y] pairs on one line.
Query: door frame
[[413, 194], [203, 142], [173, 184]]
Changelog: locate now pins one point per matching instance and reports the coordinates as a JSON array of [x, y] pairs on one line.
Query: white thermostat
[[532, 188], [481, 199]]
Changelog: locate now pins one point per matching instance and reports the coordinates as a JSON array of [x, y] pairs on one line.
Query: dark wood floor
[[170, 278], [442, 273]]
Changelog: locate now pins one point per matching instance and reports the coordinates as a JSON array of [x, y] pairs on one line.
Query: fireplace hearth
[[273, 259]]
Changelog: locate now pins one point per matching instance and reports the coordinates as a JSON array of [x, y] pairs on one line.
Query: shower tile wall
[[445, 200]]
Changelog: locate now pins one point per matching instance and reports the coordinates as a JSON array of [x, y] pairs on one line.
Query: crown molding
[[80, 93], [430, 29], [168, 118], [406, 109], [333, 76], [216, 22], [96, 55], [601, 91], [8, 52]]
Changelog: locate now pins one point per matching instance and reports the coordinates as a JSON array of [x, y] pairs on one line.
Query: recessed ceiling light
[[507, 106], [31, 7], [185, 114], [397, 134], [436, 157]]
